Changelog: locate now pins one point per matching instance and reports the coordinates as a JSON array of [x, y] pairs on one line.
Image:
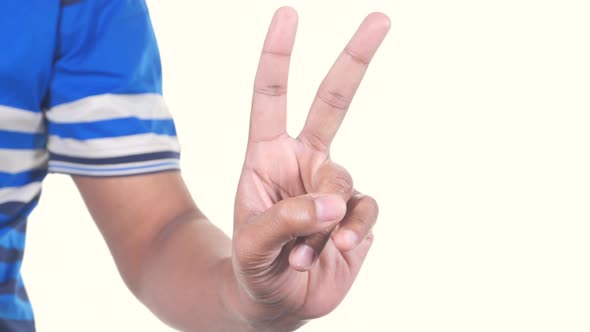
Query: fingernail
[[329, 208], [303, 256], [351, 238]]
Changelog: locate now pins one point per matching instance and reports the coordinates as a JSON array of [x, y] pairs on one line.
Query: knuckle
[[372, 206], [334, 98], [342, 183], [333, 178], [363, 225], [364, 216]]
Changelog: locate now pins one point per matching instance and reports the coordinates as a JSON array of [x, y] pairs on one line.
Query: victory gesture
[[301, 231]]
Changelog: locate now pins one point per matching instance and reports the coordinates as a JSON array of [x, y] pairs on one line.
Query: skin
[[301, 231]]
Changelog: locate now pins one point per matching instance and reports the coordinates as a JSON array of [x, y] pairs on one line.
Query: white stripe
[[114, 146], [106, 168], [15, 119], [110, 106], [15, 161], [22, 194], [55, 167]]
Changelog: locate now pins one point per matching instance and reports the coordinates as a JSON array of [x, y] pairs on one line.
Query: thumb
[[267, 233]]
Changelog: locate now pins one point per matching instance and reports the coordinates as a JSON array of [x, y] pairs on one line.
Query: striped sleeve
[[105, 112]]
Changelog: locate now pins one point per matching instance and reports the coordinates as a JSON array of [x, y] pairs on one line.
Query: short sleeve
[[105, 112]]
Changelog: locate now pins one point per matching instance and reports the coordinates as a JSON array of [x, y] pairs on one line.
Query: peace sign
[[301, 232]]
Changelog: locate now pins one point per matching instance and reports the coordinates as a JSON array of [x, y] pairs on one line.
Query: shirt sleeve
[[104, 109]]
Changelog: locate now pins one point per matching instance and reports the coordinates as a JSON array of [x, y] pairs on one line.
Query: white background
[[472, 130]]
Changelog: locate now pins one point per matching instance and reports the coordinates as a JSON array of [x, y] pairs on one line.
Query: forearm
[[167, 252], [182, 274], [187, 280]]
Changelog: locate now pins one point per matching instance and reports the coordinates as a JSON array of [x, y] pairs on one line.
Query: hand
[[301, 231]]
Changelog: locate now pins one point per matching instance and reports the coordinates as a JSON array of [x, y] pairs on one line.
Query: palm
[[279, 167]]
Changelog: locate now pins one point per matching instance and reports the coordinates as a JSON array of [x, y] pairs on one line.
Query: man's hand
[[301, 232]]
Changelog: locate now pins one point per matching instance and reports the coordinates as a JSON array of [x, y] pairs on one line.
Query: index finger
[[342, 81], [269, 102]]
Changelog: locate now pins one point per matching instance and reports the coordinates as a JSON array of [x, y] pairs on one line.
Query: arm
[[301, 232], [168, 253]]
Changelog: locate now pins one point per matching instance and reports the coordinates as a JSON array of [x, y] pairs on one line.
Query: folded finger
[[357, 225]]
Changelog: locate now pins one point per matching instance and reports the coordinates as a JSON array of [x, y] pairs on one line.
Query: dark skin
[[301, 231]]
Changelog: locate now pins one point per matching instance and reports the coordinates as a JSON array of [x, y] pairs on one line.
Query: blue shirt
[[80, 93]]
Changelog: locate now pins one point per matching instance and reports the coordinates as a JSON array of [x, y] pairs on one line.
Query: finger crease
[[275, 90], [357, 58], [269, 138], [275, 53], [315, 141], [335, 100]]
